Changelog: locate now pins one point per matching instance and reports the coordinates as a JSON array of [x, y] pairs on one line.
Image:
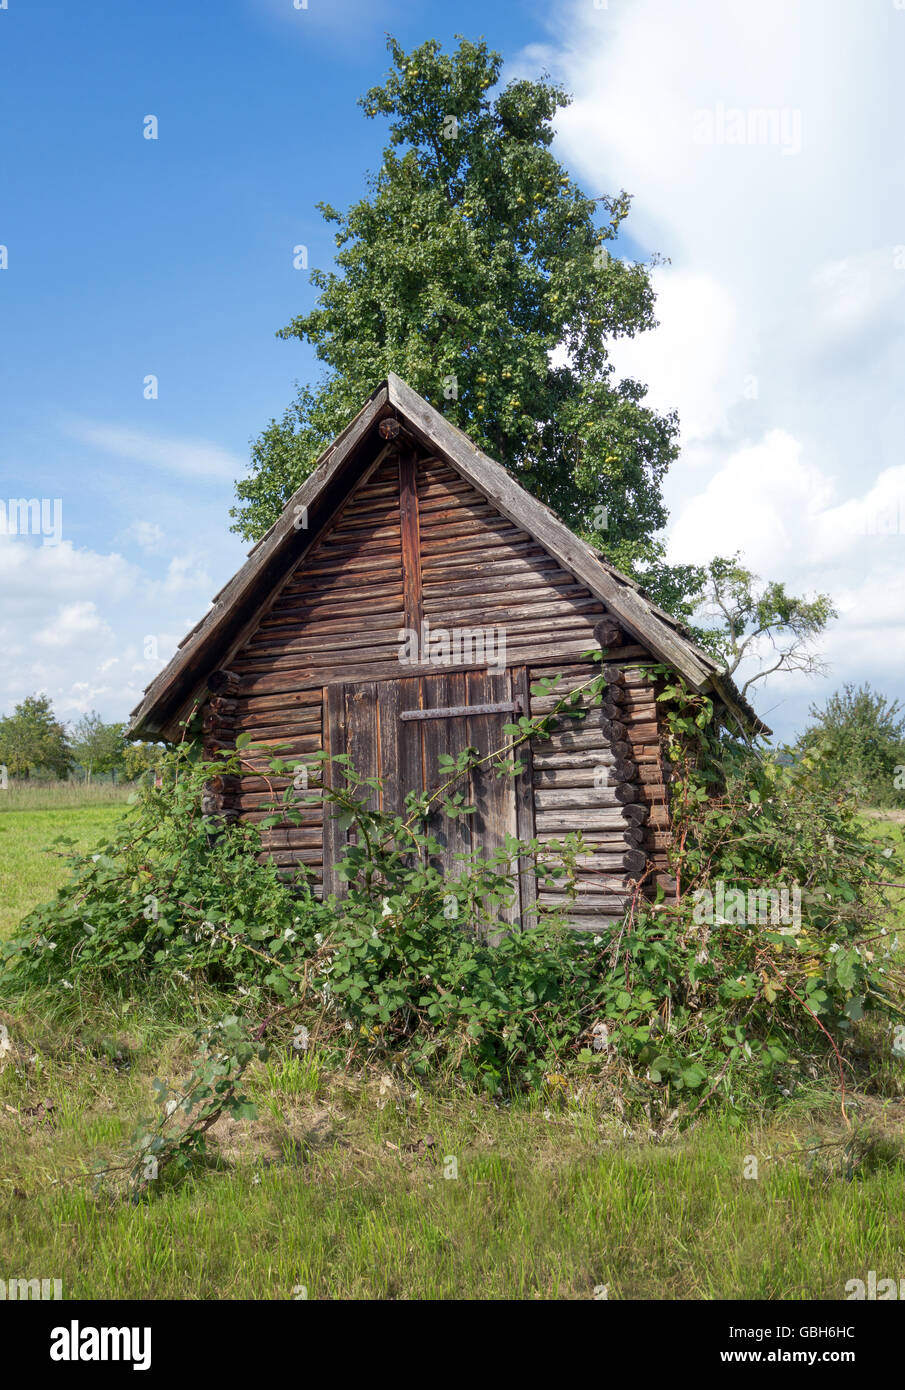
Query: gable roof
[[235, 608]]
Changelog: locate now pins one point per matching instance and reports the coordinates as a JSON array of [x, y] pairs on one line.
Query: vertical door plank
[[389, 731], [335, 838], [494, 796], [445, 736], [361, 735], [411, 542], [524, 801], [399, 742]]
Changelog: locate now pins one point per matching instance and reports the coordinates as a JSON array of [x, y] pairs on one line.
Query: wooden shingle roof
[[236, 607]]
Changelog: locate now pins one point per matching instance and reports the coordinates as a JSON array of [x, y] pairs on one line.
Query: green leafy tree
[[32, 738], [479, 271], [140, 759], [97, 747], [747, 620], [860, 737]]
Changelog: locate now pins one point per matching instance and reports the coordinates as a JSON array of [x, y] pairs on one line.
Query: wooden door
[[397, 731]]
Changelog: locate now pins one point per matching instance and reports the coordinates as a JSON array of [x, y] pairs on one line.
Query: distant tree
[[140, 759], [478, 270], [759, 621], [32, 739], [860, 736], [97, 747]]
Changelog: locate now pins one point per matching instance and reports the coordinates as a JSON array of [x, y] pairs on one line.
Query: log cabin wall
[[478, 568], [415, 541], [604, 775], [342, 608]]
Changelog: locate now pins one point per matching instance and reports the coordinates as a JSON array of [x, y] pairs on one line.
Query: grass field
[[31, 869], [346, 1188]]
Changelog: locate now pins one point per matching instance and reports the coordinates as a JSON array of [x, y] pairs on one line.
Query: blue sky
[[173, 257], [782, 309]]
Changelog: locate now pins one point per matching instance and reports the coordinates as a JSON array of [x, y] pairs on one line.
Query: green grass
[[343, 1191], [346, 1192], [31, 870], [55, 796]]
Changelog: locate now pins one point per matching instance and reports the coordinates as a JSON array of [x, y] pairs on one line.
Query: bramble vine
[[416, 970]]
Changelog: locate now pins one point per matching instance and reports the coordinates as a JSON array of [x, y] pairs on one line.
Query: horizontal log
[[573, 674], [286, 628], [626, 860], [595, 926], [586, 907], [484, 580], [472, 534], [293, 837], [271, 783], [601, 718], [291, 699], [529, 560], [226, 708], [550, 798], [340, 578], [256, 801], [600, 819], [318, 637], [217, 732], [304, 817], [609, 775], [314, 598], [609, 633], [581, 758], [223, 682], [494, 612], [293, 856], [600, 840], [589, 885], [276, 732], [594, 738], [589, 868], [337, 608]]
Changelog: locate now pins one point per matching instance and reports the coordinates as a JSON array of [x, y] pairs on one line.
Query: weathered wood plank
[[524, 804], [411, 551], [440, 736], [335, 838]]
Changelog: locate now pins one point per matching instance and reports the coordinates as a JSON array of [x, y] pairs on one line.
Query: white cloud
[[782, 309], [764, 499], [185, 573], [33, 576], [189, 458], [77, 625], [147, 535]]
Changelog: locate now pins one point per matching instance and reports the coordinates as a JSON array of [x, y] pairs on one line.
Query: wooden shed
[[401, 608]]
